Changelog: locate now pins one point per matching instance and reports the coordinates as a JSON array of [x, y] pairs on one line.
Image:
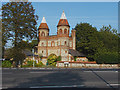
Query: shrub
[[6, 63], [108, 58], [52, 60], [40, 64], [29, 63]]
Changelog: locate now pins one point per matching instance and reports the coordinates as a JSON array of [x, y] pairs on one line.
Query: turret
[[43, 29], [63, 26]]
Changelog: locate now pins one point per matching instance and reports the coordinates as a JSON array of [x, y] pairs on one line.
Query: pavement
[[59, 78]]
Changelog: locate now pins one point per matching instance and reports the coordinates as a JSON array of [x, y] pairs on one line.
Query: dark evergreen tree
[[18, 22]]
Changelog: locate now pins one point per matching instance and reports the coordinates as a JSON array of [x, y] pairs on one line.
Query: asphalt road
[[54, 78]]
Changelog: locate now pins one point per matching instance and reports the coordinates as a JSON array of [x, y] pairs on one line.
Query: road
[[55, 77]]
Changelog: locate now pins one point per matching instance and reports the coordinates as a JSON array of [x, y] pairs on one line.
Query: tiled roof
[[63, 22], [75, 53], [43, 26]]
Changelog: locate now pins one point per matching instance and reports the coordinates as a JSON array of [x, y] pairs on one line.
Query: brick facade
[[57, 44]]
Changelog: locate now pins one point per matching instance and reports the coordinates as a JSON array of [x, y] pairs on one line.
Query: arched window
[[65, 42], [52, 43], [42, 44], [42, 34], [60, 31], [65, 31]]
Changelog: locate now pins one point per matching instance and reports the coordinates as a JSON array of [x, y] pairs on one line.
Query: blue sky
[[95, 13]]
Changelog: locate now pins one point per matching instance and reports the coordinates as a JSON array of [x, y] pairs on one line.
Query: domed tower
[[43, 34], [63, 37], [43, 29], [63, 26]]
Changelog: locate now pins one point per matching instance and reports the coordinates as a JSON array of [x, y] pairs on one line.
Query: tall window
[[65, 31], [42, 44], [52, 43], [65, 42], [60, 31], [42, 34]]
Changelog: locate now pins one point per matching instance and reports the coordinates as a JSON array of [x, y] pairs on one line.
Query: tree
[[52, 59], [109, 52], [109, 37], [86, 39], [19, 22]]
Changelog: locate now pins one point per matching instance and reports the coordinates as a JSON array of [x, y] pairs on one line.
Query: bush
[[108, 58], [29, 63], [6, 63], [40, 64], [52, 60]]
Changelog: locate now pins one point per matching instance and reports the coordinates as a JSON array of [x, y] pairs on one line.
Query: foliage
[[16, 54], [101, 45], [6, 63], [86, 39], [18, 23], [109, 38], [40, 64], [108, 58], [58, 58], [52, 59]]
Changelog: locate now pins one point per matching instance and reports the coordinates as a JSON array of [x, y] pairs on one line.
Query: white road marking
[[101, 71], [57, 86], [3, 87], [41, 72], [115, 84]]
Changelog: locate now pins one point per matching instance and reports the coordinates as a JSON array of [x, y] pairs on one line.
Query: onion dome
[[43, 24], [63, 20]]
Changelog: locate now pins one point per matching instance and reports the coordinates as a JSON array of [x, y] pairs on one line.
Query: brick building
[[61, 44]]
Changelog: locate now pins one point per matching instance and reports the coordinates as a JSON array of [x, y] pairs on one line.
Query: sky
[[95, 13]]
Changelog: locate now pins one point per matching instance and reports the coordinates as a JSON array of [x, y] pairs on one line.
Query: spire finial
[[63, 15], [43, 20]]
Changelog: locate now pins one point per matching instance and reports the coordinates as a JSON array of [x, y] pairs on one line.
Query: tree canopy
[[97, 45], [18, 22]]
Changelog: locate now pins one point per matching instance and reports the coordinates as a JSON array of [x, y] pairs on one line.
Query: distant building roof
[[28, 53], [75, 53]]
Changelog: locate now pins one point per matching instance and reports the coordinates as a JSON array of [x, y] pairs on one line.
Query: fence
[[85, 65]]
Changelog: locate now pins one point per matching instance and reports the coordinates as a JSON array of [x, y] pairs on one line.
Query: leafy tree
[[109, 37], [18, 22], [52, 59], [101, 45], [86, 39], [17, 55]]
